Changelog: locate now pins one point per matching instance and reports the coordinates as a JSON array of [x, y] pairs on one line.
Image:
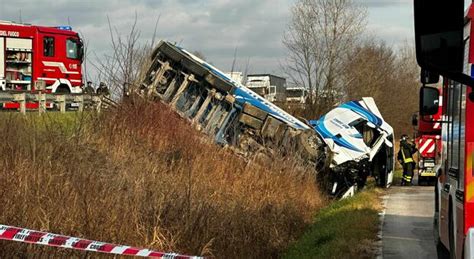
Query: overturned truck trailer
[[235, 116]]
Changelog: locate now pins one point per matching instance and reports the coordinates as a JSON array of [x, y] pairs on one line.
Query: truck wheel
[[62, 89]]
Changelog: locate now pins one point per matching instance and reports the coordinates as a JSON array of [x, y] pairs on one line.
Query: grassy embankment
[[142, 176], [344, 229]]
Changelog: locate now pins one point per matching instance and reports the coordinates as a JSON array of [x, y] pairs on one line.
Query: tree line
[[332, 54]]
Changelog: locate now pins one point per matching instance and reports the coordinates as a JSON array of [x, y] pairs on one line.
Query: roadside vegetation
[[333, 54], [142, 176], [345, 229]]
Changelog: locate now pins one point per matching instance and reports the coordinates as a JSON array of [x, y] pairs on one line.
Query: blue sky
[[214, 27]]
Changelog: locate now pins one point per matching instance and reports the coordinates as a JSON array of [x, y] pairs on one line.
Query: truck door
[[74, 54], [48, 69], [61, 61], [445, 186]]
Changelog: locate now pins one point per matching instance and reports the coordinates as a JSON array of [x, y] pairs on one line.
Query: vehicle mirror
[[414, 120], [440, 42], [428, 77], [388, 143], [429, 101], [81, 51]]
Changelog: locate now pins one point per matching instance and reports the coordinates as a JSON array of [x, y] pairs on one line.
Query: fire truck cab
[[444, 47], [428, 141], [29, 53]]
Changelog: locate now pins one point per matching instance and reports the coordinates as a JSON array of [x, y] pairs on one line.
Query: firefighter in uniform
[[89, 89], [103, 89], [405, 157]]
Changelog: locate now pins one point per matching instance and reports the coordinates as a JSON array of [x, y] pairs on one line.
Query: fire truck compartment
[[19, 44]]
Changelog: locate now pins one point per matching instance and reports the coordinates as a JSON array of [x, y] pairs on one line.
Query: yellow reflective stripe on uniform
[[406, 160]]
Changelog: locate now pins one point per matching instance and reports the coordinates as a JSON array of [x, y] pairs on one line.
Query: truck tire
[[63, 89]]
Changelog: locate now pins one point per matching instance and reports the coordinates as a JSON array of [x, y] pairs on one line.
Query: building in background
[[296, 95], [272, 87]]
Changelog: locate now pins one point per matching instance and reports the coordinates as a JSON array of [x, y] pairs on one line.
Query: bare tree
[[123, 68], [320, 39], [402, 95], [388, 75], [370, 70], [246, 71]]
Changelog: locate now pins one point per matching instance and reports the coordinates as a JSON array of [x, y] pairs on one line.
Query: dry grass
[[141, 176]]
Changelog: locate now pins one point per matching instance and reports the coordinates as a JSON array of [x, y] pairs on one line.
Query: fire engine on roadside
[[428, 141], [30, 53], [444, 47]]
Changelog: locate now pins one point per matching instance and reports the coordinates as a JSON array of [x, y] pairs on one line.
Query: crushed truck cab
[[360, 143]]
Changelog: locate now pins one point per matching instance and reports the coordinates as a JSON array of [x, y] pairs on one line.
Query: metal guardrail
[[59, 100]]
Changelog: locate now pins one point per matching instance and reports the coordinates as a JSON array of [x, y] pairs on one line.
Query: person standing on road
[[405, 157]]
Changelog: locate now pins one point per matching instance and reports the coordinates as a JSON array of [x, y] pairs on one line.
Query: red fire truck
[[29, 53], [444, 48], [428, 140]]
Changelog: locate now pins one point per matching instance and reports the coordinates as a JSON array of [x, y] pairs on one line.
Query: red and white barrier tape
[[49, 239]]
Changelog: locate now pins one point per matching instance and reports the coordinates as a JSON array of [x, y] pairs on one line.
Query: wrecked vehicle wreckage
[[234, 116], [360, 144]]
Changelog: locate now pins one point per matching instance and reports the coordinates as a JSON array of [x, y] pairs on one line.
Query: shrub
[[140, 175]]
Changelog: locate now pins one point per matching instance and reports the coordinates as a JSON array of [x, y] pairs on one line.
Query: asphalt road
[[407, 230]]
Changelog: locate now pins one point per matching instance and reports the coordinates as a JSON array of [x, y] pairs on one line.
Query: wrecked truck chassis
[[228, 112]]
